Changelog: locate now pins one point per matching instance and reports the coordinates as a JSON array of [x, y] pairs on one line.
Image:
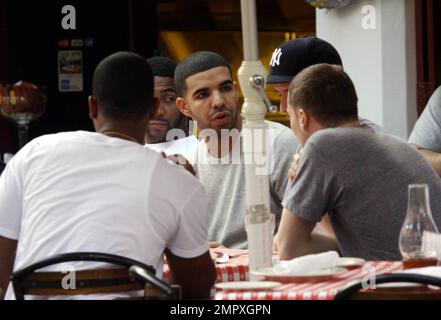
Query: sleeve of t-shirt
[[191, 237], [427, 130], [11, 200], [285, 146], [315, 190]]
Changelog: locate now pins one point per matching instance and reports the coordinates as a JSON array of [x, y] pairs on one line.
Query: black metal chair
[[355, 292], [129, 276]]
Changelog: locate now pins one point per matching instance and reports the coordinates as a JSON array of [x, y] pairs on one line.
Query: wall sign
[[70, 71]]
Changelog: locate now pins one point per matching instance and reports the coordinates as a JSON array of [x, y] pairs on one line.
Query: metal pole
[[249, 30], [252, 76]]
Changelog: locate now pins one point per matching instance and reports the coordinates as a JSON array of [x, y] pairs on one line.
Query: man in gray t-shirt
[[356, 174], [224, 183], [209, 96], [426, 135], [360, 178]]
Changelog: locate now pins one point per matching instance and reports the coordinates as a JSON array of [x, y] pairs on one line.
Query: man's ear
[[236, 87], [93, 107], [183, 107], [153, 109], [304, 118]]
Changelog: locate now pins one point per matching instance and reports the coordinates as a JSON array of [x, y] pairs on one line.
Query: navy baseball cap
[[293, 56]]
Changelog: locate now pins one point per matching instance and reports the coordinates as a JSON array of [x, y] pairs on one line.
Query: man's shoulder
[[436, 96], [280, 133], [60, 136], [434, 105], [172, 173], [341, 133], [277, 127], [335, 140], [40, 143]]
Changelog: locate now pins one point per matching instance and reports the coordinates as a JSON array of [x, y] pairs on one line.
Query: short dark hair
[[162, 66], [327, 92], [196, 63], [123, 85]]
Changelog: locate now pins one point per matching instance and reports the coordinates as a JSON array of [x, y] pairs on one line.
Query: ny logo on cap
[[275, 60]]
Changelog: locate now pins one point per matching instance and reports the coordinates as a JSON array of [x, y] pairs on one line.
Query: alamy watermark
[[69, 20], [254, 147], [369, 277], [368, 17]]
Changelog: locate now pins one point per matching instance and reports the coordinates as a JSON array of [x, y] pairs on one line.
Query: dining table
[[235, 268]]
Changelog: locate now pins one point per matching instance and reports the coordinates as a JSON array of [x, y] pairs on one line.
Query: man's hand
[[292, 173], [180, 160], [215, 245]]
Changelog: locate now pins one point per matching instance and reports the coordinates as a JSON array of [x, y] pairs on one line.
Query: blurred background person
[[169, 123]]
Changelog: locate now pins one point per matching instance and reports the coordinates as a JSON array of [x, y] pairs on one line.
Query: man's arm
[[7, 256], [195, 275], [295, 238], [434, 158], [326, 227]]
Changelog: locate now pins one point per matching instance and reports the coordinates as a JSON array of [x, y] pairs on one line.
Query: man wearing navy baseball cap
[[292, 57], [288, 60]]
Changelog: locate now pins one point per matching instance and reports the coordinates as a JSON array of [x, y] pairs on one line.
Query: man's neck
[[127, 131], [350, 123]]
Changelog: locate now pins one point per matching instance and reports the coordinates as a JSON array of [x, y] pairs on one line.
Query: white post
[[258, 222]]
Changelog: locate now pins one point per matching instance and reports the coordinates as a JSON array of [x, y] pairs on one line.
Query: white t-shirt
[[185, 146], [84, 191]]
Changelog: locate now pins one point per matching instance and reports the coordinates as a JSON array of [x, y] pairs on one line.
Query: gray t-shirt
[[224, 183], [361, 178], [427, 130]]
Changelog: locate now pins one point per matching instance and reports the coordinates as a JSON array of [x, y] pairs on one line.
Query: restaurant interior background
[[31, 36]]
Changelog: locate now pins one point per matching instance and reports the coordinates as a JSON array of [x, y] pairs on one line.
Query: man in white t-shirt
[[168, 131], [104, 191]]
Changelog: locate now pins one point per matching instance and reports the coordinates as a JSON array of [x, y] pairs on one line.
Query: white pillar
[[376, 41]]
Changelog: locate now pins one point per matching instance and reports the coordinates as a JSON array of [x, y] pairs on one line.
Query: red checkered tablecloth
[[236, 269], [314, 291]]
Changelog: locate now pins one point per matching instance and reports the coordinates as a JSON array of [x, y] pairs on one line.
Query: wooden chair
[[356, 292], [128, 276]]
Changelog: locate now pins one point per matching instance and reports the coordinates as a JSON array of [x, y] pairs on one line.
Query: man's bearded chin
[[157, 135]]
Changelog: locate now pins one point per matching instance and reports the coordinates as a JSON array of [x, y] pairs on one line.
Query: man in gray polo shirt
[[293, 56], [356, 174]]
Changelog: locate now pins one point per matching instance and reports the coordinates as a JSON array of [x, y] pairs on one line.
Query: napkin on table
[[308, 263]]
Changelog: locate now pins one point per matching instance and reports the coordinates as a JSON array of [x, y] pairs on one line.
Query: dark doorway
[[428, 40]]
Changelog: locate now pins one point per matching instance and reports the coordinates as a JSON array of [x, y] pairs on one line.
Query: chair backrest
[[27, 281], [356, 292]]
